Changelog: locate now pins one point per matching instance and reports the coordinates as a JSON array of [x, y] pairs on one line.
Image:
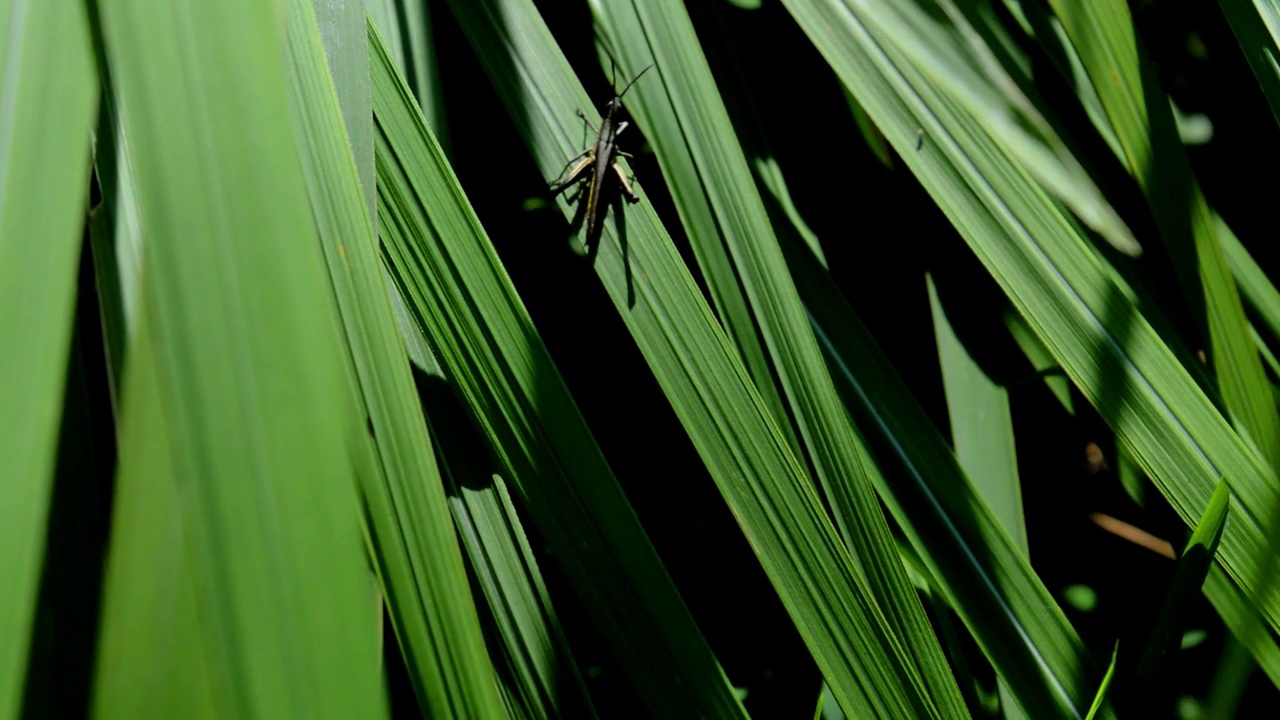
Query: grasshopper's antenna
[[633, 81]]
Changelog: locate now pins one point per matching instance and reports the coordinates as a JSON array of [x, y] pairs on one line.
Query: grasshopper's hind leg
[[625, 184], [583, 160]]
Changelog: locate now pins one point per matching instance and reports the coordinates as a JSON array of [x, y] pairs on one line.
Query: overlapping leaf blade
[[975, 563], [416, 551], [1143, 121], [44, 151], [239, 389], [682, 115], [462, 299], [1060, 286], [761, 481], [982, 435]]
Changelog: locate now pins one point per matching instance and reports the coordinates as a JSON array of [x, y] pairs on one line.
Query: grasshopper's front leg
[[583, 115]]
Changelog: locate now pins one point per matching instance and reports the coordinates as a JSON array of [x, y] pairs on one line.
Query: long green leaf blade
[[44, 151], [1193, 566], [1065, 291], [982, 434], [694, 124], [463, 301], [1143, 121], [1106, 685], [980, 570], [416, 550], [760, 479], [247, 371], [150, 587]]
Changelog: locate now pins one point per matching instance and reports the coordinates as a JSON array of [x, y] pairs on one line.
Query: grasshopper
[[600, 159]]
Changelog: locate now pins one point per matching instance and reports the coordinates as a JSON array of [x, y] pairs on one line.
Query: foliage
[[340, 413]]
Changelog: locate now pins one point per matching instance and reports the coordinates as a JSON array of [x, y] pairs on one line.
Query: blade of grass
[[346, 49], [1104, 686], [1256, 288], [385, 15], [762, 483], [44, 151], [539, 676], [1188, 579], [982, 434], [1064, 290], [542, 679], [684, 119], [975, 564], [981, 427], [1143, 121], [150, 585], [1257, 27], [247, 371], [463, 301], [418, 560]]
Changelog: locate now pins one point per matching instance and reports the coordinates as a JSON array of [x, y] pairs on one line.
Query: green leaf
[[973, 561], [1143, 120], [753, 467], [44, 152], [346, 47], [1256, 26], [981, 427], [238, 387], [1064, 289], [982, 434], [1188, 579], [150, 590], [1255, 287], [1104, 686], [414, 546], [463, 301], [535, 666], [689, 127], [542, 679]]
